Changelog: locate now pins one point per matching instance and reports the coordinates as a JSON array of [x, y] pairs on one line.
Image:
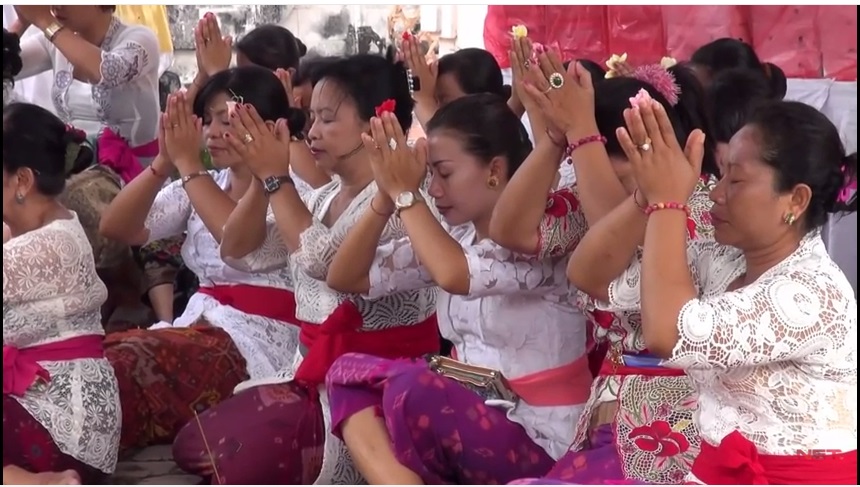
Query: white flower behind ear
[[667, 62], [519, 31], [613, 62]]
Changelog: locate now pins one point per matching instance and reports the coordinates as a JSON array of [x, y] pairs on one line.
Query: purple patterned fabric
[[440, 430]]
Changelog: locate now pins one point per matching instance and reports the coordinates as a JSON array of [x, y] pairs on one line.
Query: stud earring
[[493, 182], [19, 198], [789, 219]]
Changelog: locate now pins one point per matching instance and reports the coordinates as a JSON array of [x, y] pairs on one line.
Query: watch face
[[405, 200], [272, 184]]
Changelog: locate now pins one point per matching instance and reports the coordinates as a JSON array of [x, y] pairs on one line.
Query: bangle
[[667, 206], [193, 175], [641, 206], [156, 173], [373, 209], [568, 151]]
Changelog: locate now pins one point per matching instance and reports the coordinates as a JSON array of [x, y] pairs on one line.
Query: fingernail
[[656, 105]]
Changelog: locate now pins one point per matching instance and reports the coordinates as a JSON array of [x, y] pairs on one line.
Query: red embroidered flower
[[603, 319], [386, 107], [691, 228], [406, 35], [658, 437], [561, 203]]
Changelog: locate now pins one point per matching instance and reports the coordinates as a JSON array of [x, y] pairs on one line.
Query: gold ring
[[248, 138]]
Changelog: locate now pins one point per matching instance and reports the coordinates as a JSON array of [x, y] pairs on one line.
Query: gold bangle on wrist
[[193, 175]]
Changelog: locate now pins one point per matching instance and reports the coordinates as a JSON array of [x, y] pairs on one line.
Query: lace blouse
[[51, 292], [124, 99], [486, 326], [775, 360], [266, 344]]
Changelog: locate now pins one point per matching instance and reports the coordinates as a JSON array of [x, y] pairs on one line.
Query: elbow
[[230, 251], [111, 231], [660, 344], [454, 284], [505, 233], [585, 282]]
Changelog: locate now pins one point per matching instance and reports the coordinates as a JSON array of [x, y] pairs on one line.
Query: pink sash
[[115, 153], [21, 367]]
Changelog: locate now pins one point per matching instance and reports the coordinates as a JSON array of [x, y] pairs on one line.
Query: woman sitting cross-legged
[[61, 407], [413, 422], [240, 323], [762, 320]]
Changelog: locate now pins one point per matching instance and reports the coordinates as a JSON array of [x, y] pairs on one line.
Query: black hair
[[731, 98], [256, 86], [272, 46], [36, 139], [476, 71], [310, 68], [368, 80], [727, 53], [595, 69], [612, 97], [487, 127], [11, 55], [803, 147]]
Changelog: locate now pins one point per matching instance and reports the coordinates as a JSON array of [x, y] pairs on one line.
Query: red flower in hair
[[387, 106], [406, 35]]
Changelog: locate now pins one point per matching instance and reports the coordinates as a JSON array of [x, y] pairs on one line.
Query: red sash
[[21, 367], [268, 302], [737, 462], [341, 333], [115, 153]]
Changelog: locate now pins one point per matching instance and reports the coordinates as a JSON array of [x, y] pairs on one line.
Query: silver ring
[[645, 146], [556, 81], [527, 64], [392, 144], [247, 138]]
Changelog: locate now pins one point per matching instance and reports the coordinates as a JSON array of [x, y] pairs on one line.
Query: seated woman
[[405, 423], [726, 53], [240, 323], [61, 416], [632, 399], [762, 320], [276, 430]]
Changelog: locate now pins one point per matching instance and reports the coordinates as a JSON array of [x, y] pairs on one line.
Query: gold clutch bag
[[487, 383]]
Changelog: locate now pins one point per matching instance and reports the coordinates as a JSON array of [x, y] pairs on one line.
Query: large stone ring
[[247, 138], [392, 144], [556, 81], [645, 146]]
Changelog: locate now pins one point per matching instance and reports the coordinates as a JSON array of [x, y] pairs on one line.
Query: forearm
[[85, 57], [598, 186], [19, 26], [607, 249], [350, 267], [245, 228], [521, 206], [194, 88], [291, 215], [516, 106], [211, 203], [302, 162], [437, 251], [666, 284], [425, 108], [124, 218]]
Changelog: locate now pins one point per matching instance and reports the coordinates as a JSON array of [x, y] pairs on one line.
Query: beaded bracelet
[[667, 206], [583, 141]]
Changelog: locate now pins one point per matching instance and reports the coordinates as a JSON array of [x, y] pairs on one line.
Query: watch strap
[[52, 30]]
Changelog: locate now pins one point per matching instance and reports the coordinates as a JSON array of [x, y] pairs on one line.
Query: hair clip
[[413, 82], [849, 187], [386, 106], [661, 80], [233, 101]]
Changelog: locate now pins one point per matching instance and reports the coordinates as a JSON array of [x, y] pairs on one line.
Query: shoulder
[[137, 33]]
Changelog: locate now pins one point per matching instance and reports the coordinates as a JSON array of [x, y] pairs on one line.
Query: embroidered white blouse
[[775, 360], [51, 292], [266, 344], [125, 99], [520, 317]]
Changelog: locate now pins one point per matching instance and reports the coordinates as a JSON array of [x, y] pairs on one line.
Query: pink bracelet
[[671, 205], [583, 141]]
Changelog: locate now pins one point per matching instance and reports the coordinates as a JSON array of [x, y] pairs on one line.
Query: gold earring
[[493, 182], [789, 219], [19, 198]]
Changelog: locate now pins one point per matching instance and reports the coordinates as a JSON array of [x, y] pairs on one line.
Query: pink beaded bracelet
[[583, 141], [667, 206]]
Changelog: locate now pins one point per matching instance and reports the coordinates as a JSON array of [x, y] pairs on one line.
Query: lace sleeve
[[494, 270], [134, 55], [272, 255], [396, 269], [562, 226], [169, 214], [791, 316]]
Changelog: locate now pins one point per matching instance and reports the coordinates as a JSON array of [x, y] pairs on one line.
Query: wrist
[[580, 131], [189, 165], [382, 204]]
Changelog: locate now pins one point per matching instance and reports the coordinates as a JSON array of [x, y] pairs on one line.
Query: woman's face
[[78, 17], [460, 182], [448, 89], [216, 122], [336, 128], [302, 99], [748, 213]]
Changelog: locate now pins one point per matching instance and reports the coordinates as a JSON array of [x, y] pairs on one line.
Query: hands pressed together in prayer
[[264, 147], [396, 167]]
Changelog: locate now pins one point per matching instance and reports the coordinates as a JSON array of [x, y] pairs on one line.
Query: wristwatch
[[273, 183], [406, 199], [52, 30]]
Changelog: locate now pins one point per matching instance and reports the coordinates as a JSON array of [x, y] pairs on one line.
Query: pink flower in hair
[[661, 80]]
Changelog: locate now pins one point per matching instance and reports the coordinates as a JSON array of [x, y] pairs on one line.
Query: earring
[[789, 219], [19, 198], [493, 182]]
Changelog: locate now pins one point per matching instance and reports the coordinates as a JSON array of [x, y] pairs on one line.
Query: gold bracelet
[[193, 175]]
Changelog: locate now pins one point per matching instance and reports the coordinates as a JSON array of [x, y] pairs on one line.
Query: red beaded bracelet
[[583, 141], [667, 206]]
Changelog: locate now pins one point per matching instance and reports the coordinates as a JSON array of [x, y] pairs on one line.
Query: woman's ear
[[499, 168]]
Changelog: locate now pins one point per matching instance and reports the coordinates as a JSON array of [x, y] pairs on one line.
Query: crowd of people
[[606, 273]]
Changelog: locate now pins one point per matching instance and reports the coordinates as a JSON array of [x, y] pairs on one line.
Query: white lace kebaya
[[775, 360]]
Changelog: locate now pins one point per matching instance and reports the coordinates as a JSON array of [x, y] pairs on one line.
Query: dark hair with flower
[[387, 106]]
